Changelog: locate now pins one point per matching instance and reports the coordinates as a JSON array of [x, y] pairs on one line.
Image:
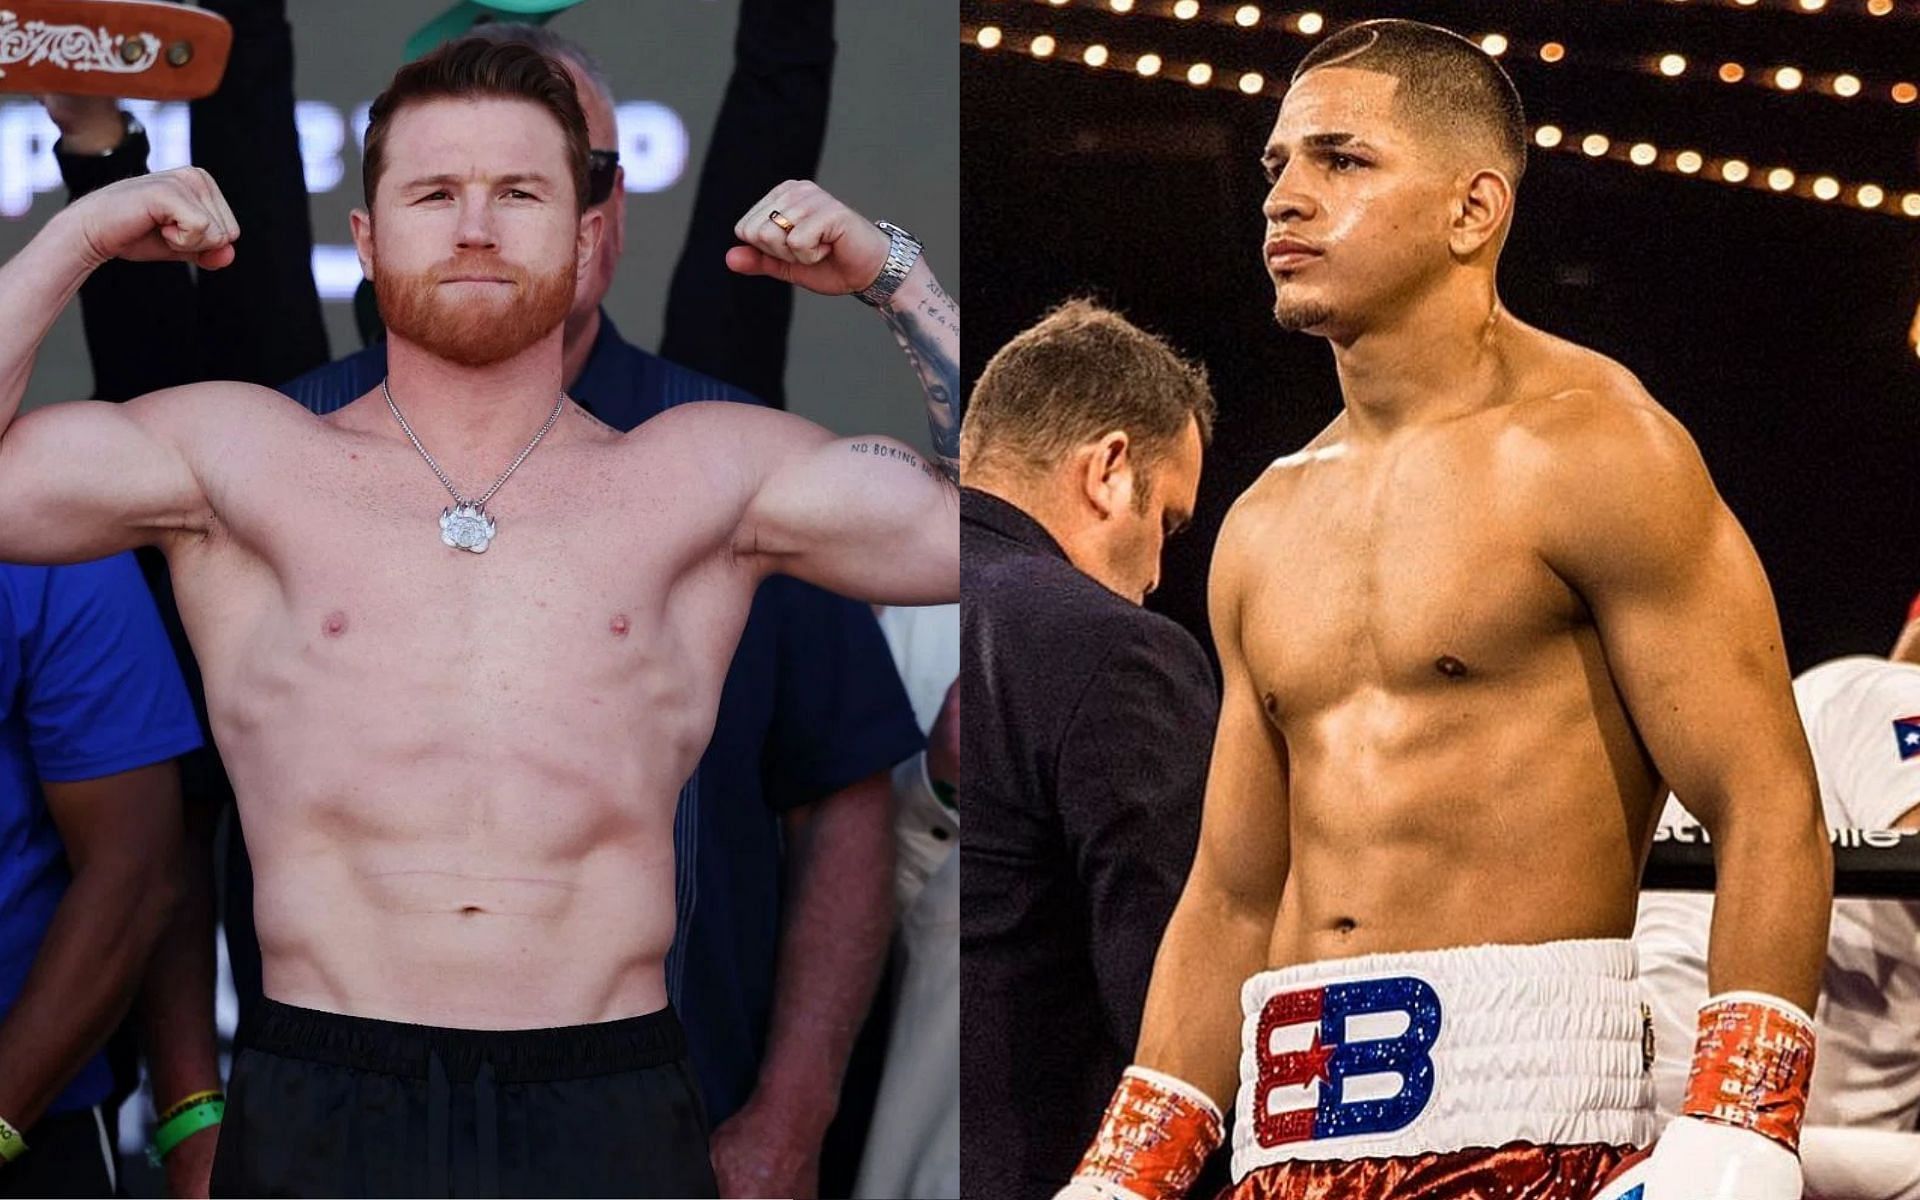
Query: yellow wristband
[[186, 1102], [12, 1145]]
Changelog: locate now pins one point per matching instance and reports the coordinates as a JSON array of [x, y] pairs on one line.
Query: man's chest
[[586, 568], [1396, 579]]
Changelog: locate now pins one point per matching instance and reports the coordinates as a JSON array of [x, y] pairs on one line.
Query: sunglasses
[[600, 166]]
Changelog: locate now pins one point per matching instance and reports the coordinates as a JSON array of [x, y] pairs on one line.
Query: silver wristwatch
[[903, 250]]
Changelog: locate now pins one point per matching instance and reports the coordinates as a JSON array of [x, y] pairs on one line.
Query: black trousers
[[322, 1104], [68, 1154]]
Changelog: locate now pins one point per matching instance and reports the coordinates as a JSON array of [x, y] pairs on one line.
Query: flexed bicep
[[83, 480], [867, 517]]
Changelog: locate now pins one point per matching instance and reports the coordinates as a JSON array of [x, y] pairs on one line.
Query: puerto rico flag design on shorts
[[1345, 1059], [1906, 735]]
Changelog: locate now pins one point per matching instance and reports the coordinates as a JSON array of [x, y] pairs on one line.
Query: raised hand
[[174, 215], [830, 249]]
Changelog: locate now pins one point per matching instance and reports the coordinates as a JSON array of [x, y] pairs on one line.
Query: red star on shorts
[[1301, 1067]]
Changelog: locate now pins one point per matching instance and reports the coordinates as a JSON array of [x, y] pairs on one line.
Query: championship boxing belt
[[140, 49], [1738, 1133], [1154, 1138]]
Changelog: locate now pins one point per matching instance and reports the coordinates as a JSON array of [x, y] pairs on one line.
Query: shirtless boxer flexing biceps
[[1466, 633], [458, 769]]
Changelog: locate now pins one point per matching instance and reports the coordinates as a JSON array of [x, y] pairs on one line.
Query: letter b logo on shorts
[[1281, 1109]]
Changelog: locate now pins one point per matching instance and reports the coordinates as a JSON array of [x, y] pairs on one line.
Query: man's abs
[[458, 772], [468, 931], [1501, 814]]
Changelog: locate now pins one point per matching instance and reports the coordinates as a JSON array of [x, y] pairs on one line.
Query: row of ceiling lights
[[1869, 196], [1781, 77]]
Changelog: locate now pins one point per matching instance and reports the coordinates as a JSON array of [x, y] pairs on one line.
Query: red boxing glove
[[1752, 1063], [1153, 1140], [1738, 1133]]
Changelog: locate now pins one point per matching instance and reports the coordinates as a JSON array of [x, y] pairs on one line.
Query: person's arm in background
[[835, 924], [138, 316], [105, 714], [122, 839], [772, 124], [259, 320], [175, 1007], [153, 325], [841, 719]]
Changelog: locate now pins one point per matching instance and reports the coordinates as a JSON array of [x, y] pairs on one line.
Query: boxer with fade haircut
[[1469, 635], [1076, 420], [1448, 85], [1426, 136]]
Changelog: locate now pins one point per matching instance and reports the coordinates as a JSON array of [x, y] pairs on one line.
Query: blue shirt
[[88, 687], [811, 704]]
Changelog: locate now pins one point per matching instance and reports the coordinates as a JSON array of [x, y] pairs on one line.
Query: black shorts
[[322, 1104]]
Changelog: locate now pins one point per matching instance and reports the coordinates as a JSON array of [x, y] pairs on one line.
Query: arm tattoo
[[919, 332], [886, 453]]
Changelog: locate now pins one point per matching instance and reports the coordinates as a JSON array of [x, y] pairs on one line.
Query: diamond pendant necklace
[[466, 524]]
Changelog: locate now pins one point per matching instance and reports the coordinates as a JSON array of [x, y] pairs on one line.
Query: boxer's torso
[[1461, 767], [458, 771]]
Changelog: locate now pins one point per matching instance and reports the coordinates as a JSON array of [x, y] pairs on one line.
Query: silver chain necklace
[[466, 524]]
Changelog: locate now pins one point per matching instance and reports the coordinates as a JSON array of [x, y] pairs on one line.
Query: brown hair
[[474, 67], [1446, 81], [1081, 372]]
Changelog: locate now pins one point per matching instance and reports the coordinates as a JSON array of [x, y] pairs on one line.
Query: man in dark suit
[[1089, 725]]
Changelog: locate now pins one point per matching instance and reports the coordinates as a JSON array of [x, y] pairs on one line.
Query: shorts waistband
[[514, 1055], [1436, 1051]]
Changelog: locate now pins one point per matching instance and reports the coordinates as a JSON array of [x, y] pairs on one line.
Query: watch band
[[83, 173], [903, 250]]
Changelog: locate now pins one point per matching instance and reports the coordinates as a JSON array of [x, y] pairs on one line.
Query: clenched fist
[[831, 249], [174, 215]]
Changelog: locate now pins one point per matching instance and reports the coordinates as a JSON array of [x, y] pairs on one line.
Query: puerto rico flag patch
[[1906, 734]]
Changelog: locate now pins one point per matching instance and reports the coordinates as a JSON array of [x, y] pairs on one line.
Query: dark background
[[1773, 325]]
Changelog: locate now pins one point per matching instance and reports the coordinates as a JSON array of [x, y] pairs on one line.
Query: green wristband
[[178, 1128], [12, 1145]]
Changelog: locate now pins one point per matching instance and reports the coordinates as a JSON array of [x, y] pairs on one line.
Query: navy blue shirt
[[88, 687], [811, 704]]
